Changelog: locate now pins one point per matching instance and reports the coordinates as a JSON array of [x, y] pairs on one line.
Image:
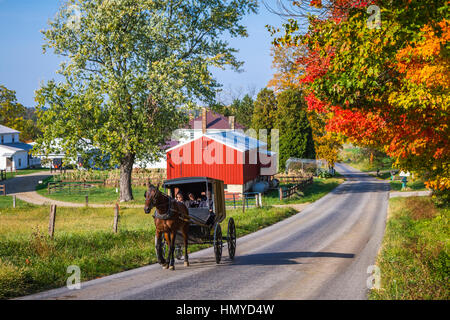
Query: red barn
[[231, 156]]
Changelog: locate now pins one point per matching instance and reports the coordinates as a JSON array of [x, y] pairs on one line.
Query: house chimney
[[204, 120], [231, 122]]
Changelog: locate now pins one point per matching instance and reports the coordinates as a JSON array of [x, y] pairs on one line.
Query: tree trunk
[[126, 167]]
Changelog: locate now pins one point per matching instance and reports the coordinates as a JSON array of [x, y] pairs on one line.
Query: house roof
[[9, 149], [4, 129], [214, 120], [233, 139]]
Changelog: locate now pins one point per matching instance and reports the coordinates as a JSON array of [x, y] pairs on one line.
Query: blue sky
[[23, 66]]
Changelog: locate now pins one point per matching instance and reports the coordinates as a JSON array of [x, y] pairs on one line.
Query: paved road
[[321, 253]]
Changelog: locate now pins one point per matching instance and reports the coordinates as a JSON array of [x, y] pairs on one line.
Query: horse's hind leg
[[184, 231], [171, 258]]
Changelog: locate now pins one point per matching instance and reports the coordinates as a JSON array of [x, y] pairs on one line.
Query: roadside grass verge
[[417, 185], [6, 202], [414, 258], [30, 261], [313, 192]]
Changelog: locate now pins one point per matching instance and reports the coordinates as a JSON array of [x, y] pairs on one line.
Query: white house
[[14, 154]]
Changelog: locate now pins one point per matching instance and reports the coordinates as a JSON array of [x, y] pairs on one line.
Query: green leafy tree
[[14, 115], [243, 110], [132, 65], [295, 137], [220, 108], [265, 112]]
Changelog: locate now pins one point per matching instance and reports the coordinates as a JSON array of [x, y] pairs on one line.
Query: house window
[[13, 139], [20, 161], [3, 138], [192, 134]]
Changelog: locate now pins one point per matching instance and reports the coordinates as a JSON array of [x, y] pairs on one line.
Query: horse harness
[[169, 214]]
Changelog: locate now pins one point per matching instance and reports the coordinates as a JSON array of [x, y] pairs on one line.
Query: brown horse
[[170, 216]]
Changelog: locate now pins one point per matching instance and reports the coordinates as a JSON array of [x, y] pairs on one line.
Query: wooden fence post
[[14, 201], [51, 225], [260, 199], [243, 203], [234, 200], [87, 200], [116, 218], [280, 191]]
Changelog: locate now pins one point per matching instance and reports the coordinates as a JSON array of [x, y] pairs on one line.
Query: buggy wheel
[[178, 252], [231, 238], [165, 248], [218, 244]]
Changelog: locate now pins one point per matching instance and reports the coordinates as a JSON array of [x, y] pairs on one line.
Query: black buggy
[[205, 215]]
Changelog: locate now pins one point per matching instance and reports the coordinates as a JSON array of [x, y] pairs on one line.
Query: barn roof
[[233, 139]]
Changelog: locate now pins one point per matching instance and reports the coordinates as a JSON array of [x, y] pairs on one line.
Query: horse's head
[[150, 197]]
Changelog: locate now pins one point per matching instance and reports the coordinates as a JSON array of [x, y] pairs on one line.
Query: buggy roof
[[178, 181]]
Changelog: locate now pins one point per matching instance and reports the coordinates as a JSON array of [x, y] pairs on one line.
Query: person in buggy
[[193, 203], [207, 202]]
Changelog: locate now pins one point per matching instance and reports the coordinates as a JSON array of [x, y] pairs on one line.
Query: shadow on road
[[269, 259], [285, 258], [362, 187]]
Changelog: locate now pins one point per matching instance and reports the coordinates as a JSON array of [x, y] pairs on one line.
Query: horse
[[170, 216]]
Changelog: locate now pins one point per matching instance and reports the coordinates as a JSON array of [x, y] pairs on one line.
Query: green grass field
[[96, 195], [22, 172], [318, 189], [414, 259], [30, 261]]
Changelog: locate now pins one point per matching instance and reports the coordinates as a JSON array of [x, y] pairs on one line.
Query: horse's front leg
[[159, 249], [171, 257]]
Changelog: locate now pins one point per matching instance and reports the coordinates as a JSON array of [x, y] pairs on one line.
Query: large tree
[[379, 69], [295, 137], [131, 65]]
